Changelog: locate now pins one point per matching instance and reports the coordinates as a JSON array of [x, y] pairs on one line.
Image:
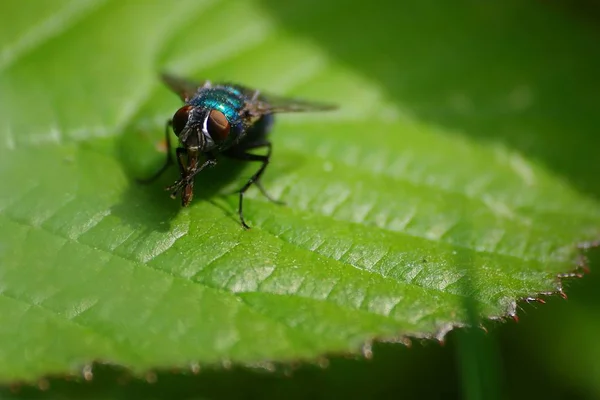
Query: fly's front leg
[[186, 183], [169, 159], [187, 192]]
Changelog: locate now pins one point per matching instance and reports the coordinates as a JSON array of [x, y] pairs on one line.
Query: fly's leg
[[187, 192], [169, 160], [257, 181], [186, 183], [241, 154]]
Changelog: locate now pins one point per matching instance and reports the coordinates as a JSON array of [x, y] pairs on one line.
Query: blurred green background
[[475, 67]]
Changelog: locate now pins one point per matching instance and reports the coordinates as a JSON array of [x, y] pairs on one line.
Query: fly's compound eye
[[180, 119], [217, 126]]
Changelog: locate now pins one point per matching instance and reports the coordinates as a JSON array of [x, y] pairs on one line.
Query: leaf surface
[[395, 219]]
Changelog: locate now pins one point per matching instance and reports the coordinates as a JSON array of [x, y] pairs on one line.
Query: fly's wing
[[186, 89], [265, 103], [271, 104]]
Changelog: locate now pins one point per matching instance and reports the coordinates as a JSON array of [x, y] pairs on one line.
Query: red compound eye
[[180, 119], [217, 125]]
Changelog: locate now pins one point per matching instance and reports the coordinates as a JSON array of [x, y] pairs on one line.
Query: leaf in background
[[393, 222]]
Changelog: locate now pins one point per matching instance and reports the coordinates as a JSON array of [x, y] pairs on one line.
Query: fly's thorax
[[225, 99]]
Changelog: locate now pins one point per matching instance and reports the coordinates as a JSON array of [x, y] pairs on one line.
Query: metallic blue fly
[[225, 119]]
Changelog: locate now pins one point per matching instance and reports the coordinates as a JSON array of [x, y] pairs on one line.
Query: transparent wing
[[186, 89], [270, 104], [259, 103], [282, 105], [267, 103]]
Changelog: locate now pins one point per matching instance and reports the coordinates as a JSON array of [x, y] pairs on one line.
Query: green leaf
[[437, 191]]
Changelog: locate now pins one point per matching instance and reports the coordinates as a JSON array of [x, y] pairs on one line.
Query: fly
[[225, 119]]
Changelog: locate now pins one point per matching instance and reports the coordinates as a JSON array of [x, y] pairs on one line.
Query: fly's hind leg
[[240, 153]]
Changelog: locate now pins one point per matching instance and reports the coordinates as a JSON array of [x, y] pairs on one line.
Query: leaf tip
[[440, 336], [195, 368], [87, 372], [367, 350], [562, 294], [534, 300]]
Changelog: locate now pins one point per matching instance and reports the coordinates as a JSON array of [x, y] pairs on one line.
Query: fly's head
[[200, 129]]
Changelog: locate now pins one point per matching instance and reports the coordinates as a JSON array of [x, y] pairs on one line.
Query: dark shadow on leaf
[[149, 205], [524, 74]]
